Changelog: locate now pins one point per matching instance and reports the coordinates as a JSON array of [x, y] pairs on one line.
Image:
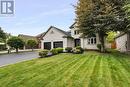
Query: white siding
[[121, 43], [53, 35], [73, 34], [70, 42], [85, 44]]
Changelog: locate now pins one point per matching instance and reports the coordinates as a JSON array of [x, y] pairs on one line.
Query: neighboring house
[[55, 37], [25, 38], [39, 38], [123, 42]]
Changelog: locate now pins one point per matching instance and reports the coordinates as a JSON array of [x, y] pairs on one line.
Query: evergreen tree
[[101, 17]]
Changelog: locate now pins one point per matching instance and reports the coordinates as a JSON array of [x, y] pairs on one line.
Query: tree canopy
[[111, 36], [31, 43], [16, 43], [2, 35]]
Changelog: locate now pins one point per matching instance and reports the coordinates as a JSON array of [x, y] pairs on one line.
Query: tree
[[101, 17], [16, 43], [111, 36], [31, 43], [2, 35]]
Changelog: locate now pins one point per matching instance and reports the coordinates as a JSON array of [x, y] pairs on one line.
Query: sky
[[33, 17]]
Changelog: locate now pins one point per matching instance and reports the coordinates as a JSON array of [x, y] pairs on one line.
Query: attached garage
[[55, 38], [58, 44], [47, 45]]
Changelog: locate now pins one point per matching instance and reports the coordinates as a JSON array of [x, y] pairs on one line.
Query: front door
[[47, 45], [77, 42]]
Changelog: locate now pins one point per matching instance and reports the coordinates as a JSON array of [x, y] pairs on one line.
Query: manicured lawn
[[67, 70]]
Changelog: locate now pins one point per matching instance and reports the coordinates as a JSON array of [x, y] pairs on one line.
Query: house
[[39, 38], [25, 38], [123, 42], [55, 37]]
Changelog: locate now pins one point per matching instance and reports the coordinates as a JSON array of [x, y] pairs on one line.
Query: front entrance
[[47, 45], [58, 44], [77, 42]]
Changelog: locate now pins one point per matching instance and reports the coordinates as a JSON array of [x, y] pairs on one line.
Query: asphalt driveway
[[14, 58]]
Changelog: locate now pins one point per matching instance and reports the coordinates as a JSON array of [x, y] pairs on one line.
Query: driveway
[[14, 58]]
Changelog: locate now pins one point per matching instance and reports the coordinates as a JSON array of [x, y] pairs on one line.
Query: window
[[92, 40], [76, 32]]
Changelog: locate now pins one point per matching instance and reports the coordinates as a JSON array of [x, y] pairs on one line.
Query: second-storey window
[[92, 40], [76, 32]]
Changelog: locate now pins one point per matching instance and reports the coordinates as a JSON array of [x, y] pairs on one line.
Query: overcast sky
[[35, 16]]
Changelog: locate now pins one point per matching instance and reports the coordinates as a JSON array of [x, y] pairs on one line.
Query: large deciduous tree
[[16, 43], [101, 17]]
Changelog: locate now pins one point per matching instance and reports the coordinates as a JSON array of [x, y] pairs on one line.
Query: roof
[[40, 35], [72, 26], [27, 37], [64, 32], [121, 34]]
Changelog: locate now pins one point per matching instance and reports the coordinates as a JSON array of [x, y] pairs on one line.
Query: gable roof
[[72, 26], [64, 32]]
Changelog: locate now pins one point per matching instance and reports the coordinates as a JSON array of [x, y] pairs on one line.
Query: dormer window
[[76, 32]]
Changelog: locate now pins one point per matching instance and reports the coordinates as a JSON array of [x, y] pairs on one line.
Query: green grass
[[90, 69]]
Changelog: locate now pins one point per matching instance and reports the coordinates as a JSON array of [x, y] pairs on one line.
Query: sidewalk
[[14, 51]]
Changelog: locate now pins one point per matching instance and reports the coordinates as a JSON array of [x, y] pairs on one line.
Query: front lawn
[[70, 70]]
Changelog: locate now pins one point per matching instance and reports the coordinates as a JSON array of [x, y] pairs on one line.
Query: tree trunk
[[17, 50], [32, 48], [101, 38]]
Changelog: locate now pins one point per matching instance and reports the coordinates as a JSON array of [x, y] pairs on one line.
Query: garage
[[58, 44], [47, 45]]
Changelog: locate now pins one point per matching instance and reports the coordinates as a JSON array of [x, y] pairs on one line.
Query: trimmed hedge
[[59, 50], [43, 53], [54, 51]]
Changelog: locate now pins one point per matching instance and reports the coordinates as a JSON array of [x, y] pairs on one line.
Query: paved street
[[14, 58]]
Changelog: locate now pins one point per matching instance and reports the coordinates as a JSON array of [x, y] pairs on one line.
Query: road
[[15, 58]]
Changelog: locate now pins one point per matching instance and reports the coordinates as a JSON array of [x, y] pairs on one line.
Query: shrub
[[59, 50], [54, 51], [99, 46], [43, 53], [68, 49], [78, 50]]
